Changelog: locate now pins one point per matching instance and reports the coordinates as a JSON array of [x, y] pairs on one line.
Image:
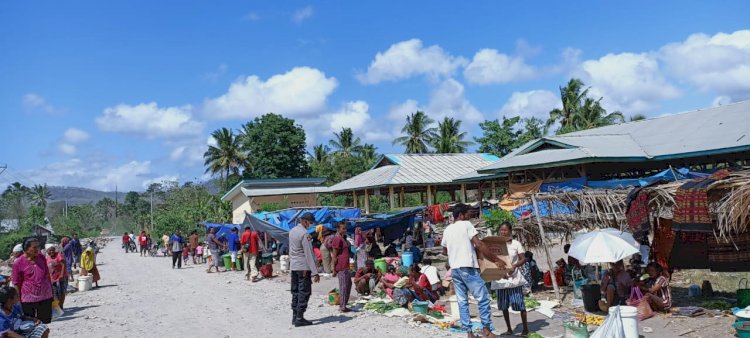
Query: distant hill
[[77, 195]]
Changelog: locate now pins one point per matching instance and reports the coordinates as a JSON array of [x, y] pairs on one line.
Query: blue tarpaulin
[[666, 175], [222, 229], [574, 184], [546, 209]]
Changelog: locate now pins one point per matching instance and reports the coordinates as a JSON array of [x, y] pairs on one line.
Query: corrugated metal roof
[[250, 192], [418, 169], [700, 132]]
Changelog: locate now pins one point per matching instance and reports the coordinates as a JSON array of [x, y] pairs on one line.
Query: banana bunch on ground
[[590, 319]]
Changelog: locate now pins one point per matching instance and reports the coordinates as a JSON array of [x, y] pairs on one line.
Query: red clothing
[[316, 251], [250, 237], [343, 247], [143, 240], [424, 282], [125, 239]]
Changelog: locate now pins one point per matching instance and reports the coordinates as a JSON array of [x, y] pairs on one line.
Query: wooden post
[[401, 198], [367, 202], [391, 198], [494, 190], [546, 249], [354, 198], [481, 199], [463, 193], [429, 195]]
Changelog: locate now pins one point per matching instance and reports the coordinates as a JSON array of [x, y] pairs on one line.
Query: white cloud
[[161, 179], [67, 149], [299, 92], [446, 100], [534, 103], [94, 174], [32, 102], [301, 14], [149, 120], [718, 63], [352, 115], [190, 151], [213, 76], [631, 83], [491, 67], [409, 58], [74, 135]]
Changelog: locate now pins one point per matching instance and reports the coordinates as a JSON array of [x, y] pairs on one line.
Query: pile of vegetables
[[531, 303], [435, 314], [716, 305], [381, 307]]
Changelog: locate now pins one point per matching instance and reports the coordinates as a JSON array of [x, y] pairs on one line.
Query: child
[[199, 252], [13, 323], [185, 254]]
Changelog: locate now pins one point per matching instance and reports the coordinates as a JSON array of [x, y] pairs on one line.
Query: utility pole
[[152, 211], [116, 202]]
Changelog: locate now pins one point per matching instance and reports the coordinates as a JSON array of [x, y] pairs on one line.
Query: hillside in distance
[[78, 195]]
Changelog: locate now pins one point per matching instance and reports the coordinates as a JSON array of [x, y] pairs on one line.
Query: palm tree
[[345, 144], [15, 195], [320, 154], [449, 138], [571, 96], [368, 154], [592, 115], [226, 157], [418, 133], [637, 117], [39, 194]]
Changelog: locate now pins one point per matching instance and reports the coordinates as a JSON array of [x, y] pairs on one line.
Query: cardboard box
[[488, 270]]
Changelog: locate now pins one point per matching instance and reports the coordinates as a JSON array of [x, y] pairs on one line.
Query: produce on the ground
[[531, 302], [381, 307], [716, 305]]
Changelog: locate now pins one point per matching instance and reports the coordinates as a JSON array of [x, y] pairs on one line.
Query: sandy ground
[[145, 297]]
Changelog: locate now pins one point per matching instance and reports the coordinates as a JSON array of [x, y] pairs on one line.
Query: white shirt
[[514, 249], [431, 273], [457, 239]]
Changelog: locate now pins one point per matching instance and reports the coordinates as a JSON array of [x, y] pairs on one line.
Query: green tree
[[418, 133], [277, 147], [226, 157], [571, 96], [368, 154], [499, 137], [320, 161], [637, 117], [449, 138], [533, 128], [39, 194], [345, 144], [592, 115], [579, 111], [105, 208], [13, 200]]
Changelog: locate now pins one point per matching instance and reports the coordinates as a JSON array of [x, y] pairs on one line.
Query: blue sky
[[98, 94]]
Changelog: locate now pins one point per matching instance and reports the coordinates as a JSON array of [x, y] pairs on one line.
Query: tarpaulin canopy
[[222, 229], [277, 224], [546, 209], [574, 184], [666, 175]]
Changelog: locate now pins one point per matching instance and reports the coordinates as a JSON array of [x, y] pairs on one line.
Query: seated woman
[[616, 285], [656, 289], [388, 281], [420, 285], [367, 278], [373, 249], [13, 323]]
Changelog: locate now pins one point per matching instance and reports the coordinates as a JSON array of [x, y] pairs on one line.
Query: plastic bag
[[612, 326], [635, 296], [576, 330], [57, 312], [644, 310]]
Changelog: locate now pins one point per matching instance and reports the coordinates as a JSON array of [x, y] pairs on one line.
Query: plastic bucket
[[743, 329], [84, 283], [333, 298], [407, 258], [240, 266], [577, 294], [591, 294], [419, 307], [284, 263], [266, 259], [227, 261], [629, 316], [380, 265]]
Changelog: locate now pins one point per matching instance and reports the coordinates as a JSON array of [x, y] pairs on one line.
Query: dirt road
[[145, 297]]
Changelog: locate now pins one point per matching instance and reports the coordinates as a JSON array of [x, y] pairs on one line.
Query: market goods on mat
[[381, 307], [590, 319], [530, 302], [716, 305]]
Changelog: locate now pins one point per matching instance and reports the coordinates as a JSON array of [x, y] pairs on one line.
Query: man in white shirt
[[460, 243], [510, 290]]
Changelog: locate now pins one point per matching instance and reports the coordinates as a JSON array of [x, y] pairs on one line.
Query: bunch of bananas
[[590, 319]]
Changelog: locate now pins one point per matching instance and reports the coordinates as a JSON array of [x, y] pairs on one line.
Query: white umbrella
[[603, 246]]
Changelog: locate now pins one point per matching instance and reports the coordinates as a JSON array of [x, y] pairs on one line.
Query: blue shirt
[[233, 241], [177, 242], [12, 321]]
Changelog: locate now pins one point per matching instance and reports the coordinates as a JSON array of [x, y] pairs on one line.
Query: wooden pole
[[401, 198], [429, 195], [354, 198], [367, 202], [546, 249], [391, 198], [494, 190], [463, 193]]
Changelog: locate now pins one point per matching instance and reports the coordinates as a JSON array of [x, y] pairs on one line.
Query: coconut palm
[[13, 199], [345, 144], [226, 157], [368, 153], [592, 115], [449, 138], [571, 96], [320, 154], [418, 133], [39, 194], [637, 117]]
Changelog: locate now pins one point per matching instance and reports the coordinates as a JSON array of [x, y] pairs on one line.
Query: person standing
[[510, 290], [325, 249], [193, 240], [360, 247], [213, 247], [126, 242], [57, 274], [233, 245], [175, 243], [165, 241], [67, 249], [143, 243], [249, 243], [88, 265], [304, 270], [77, 250], [340, 250], [31, 279], [461, 243]]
